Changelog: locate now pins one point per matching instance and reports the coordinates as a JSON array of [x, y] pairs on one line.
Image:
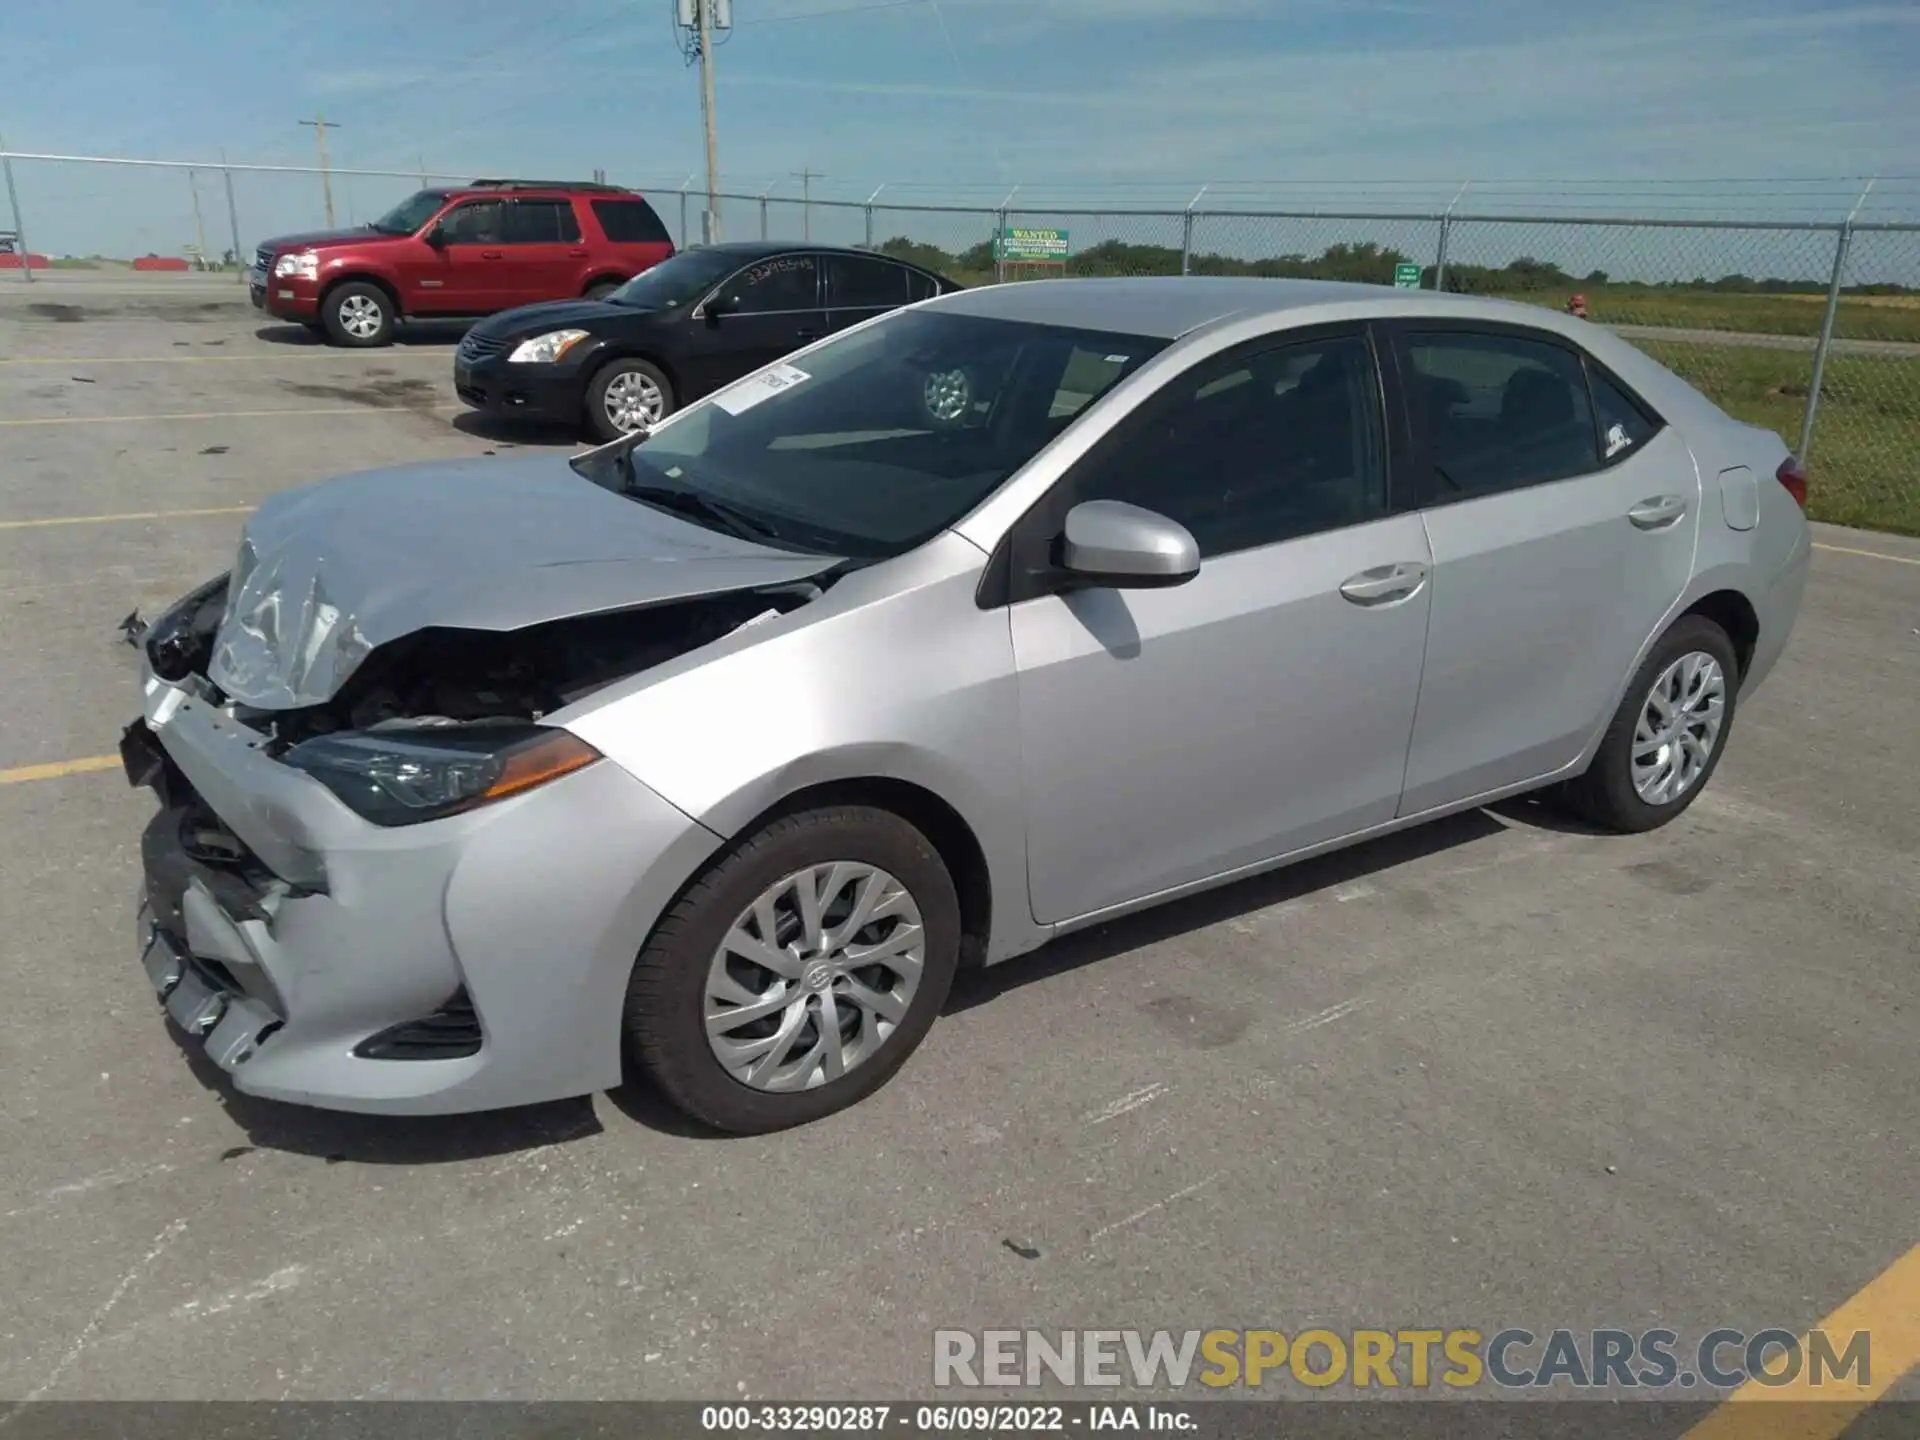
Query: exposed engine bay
[[455, 677]]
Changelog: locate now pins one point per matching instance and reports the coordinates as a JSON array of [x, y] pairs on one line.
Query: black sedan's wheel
[[796, 976], [1667, 738], [625, 395], [359, 315]]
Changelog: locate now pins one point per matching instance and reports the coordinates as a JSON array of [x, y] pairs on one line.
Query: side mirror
[[1112, 543], [436, 237], [718, 305]]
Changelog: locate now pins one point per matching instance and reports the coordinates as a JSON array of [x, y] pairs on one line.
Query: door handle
[[1658, 512], [808, 335], [491, 255], [576, 254], [1384, 584]]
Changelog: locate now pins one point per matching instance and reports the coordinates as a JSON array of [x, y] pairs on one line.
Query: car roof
[[1169, 306], [751, 249]]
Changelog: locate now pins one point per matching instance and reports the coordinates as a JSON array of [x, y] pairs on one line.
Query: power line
[[838, 10]]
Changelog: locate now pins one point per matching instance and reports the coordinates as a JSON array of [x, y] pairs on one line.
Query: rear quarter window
[[1625, 423], [630, 222]]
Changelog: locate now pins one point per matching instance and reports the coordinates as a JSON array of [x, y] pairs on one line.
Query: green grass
[[1865, 464], [1861, 317]]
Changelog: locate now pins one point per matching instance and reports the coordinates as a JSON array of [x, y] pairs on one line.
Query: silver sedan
[[716, 751]]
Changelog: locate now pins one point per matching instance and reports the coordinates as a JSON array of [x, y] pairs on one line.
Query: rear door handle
[[1384, 584], [809, 334], [576, 254], [491, 255], [1658, 511]]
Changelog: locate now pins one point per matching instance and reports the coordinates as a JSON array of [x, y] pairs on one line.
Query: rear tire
[[622, 389], [781, 1069], [600, 289], [1666, 739], [359, 315]]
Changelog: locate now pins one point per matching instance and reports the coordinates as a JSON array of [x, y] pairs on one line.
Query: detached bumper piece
[[230, 1025]]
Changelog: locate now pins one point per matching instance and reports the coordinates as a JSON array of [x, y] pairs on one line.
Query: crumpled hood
[[330, 572]]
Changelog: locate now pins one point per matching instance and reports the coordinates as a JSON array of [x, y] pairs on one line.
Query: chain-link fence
[[1811, 330]]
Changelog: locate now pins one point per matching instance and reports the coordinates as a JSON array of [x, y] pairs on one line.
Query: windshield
[[687, 276], [411, 213], [877, 441]]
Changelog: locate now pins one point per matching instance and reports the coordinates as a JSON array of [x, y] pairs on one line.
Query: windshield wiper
[[696, 506]]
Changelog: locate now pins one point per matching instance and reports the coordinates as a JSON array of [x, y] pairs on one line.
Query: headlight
[[304, 264], [402, 777], [545, 349]]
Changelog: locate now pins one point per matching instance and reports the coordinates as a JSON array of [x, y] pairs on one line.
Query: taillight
[[1793, 475]]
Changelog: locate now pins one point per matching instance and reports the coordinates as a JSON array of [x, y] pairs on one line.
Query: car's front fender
[[896, 675]]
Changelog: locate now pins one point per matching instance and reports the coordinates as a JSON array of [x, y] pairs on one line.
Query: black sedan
[[676, 332]]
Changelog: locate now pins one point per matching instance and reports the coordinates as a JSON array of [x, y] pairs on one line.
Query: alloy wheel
[[814, 976], [361, 316], [1678, 727]]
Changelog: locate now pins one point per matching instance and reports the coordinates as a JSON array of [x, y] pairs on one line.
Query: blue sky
[[1112, 99]]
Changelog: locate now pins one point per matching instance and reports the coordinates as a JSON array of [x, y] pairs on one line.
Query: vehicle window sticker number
[[751, 391]]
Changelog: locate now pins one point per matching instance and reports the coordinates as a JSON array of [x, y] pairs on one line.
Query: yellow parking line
[[1888, 1309], [55, 769], [125, 515], [256, 355], [1870, 554], [223, 415]]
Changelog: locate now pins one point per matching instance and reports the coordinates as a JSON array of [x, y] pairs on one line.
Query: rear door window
[[541, 222], [1502, 412], [859, 282]]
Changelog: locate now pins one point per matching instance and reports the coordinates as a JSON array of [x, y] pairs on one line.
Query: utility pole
[[19, 230], [806, 177], [705, 8], [319, 124], [199, 229]]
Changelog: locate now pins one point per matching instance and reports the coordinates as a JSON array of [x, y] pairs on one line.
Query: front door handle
[[811, 333], [1658, 511], [491, 255], [1385, 584], [576, 254]]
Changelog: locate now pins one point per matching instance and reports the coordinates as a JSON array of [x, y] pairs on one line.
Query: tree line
[[1364, 262]]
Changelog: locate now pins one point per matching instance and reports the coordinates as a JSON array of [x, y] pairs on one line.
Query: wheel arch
[[603, 277], [615, 352], [953, 839], [365, 277], [1718, 595]]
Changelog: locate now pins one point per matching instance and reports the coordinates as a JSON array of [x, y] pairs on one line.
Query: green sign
[[1033, 246], [1406, 277]]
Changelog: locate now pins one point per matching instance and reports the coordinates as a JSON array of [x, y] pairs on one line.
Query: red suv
[[465, 250]]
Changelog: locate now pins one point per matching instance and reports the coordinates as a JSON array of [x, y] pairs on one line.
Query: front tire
[[1666, 739], [796, 975], [625, 392], [359, 315]]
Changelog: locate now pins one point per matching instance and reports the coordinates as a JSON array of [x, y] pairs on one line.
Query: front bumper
[[329, 932], [545, 392], [284, 297]]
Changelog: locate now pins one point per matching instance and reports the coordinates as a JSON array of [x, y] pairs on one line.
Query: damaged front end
[[440, 718]]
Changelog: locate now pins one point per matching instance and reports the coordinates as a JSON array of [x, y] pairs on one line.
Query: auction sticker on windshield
[[756, 388]]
